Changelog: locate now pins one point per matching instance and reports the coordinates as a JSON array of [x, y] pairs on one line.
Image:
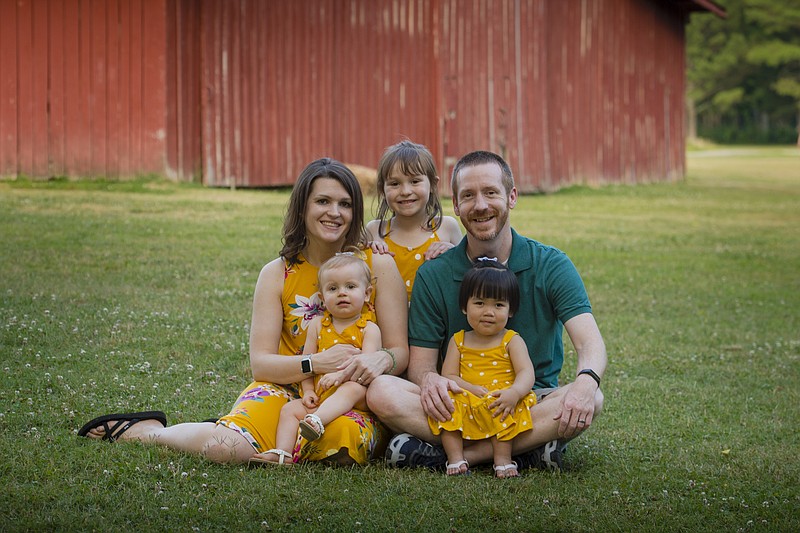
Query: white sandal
[[504, 468], [458, 465], [283, 455], [309, 432]]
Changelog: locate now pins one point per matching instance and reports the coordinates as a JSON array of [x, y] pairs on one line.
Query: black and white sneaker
[[547, 457], [407, 451]]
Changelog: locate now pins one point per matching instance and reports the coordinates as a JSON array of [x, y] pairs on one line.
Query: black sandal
[[125, 421]]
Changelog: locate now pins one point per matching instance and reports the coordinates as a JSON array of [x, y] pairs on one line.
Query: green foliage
[[743, 71], [117, 300]]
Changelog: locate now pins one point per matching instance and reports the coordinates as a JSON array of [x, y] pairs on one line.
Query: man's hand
[[577, 408], [436, 403], [436, 249]]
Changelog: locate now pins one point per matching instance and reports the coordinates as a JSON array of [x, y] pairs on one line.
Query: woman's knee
[[226, 446]]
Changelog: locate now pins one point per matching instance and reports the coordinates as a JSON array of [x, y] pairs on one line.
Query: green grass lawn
[[131, 296]]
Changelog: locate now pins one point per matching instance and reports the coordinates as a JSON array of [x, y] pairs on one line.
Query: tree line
[[744, 73]]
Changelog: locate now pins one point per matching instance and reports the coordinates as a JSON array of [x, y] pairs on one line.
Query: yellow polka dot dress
[[409, 259], [490, 368], [328, 338]]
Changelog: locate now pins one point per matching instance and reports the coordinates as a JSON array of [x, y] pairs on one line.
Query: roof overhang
[[702, 5]]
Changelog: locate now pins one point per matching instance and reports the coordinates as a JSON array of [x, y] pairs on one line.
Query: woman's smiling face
[[329, 211]]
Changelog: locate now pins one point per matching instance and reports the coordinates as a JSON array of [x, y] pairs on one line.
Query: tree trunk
[[798, 126], [691, 120]]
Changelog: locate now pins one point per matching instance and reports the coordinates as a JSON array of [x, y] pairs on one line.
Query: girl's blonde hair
[[352, 256], [414, 160]]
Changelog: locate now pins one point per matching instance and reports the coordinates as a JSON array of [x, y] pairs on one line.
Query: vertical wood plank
[[113, 117], [25, 92], [126, 164], [98, 106], [8, 89], [56, 89], [136, 85], [154, 85]]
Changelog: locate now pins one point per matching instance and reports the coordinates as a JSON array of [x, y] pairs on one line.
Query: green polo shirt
[[551, 292]]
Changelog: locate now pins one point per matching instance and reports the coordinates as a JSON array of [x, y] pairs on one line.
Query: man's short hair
[[482, 157]]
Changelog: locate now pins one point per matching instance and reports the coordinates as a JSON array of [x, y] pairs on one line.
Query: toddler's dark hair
[[489, 278]]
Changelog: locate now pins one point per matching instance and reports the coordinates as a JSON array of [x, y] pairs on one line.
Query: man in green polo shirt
[[553, 298]]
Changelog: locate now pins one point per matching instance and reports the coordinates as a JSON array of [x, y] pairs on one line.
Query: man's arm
[[579, 403]]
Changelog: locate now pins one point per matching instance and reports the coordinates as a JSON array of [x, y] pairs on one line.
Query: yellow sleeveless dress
[[257, 410], [490, 368], [409, 259], [329, 337]]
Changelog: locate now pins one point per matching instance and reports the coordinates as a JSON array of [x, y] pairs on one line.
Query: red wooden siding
[[286, 82], [569, 92], [84, 88], [246, 92]]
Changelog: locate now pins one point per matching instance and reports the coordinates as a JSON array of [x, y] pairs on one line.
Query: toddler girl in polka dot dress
[[345, 284], [491, 364]]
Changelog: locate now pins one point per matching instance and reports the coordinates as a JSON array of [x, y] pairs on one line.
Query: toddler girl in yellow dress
[[345, 284], [491, 364]]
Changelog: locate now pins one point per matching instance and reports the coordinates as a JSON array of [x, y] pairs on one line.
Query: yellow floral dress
[[257, 410], [409, 259], [491, 369]]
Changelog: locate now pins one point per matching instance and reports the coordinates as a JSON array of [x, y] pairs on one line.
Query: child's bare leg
[[349, 395], [504, 466], [286, 434], [453, 446]]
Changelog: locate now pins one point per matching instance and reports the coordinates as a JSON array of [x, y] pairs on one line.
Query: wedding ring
[[359, 380], [581, 421]]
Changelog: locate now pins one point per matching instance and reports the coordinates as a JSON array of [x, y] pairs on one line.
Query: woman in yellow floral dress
[[325, 215], [491, 364]]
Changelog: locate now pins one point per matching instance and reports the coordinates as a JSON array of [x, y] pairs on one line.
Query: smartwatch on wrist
[[305, 365], [592, 374]]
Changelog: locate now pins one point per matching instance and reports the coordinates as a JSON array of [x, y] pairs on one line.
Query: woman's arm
[[265, 330], [391, 309]]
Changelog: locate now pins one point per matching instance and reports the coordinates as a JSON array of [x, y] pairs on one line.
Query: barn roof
[[701, 5]]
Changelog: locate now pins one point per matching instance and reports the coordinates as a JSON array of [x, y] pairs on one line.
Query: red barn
[[246, 93]]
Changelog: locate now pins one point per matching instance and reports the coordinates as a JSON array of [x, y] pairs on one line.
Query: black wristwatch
[[591, 374], [305, 365]]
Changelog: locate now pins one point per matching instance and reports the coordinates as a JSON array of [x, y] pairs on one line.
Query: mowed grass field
[[136, 295]]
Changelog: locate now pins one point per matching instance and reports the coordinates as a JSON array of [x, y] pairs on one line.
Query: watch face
[[305, 365]]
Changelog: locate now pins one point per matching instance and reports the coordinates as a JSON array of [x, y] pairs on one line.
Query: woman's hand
[[380, 247], [366, 367], [334, 358], [330, 380]]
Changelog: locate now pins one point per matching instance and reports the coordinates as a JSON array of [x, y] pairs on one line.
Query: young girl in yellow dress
[[415, 230], [491, 364], [345, 284]]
